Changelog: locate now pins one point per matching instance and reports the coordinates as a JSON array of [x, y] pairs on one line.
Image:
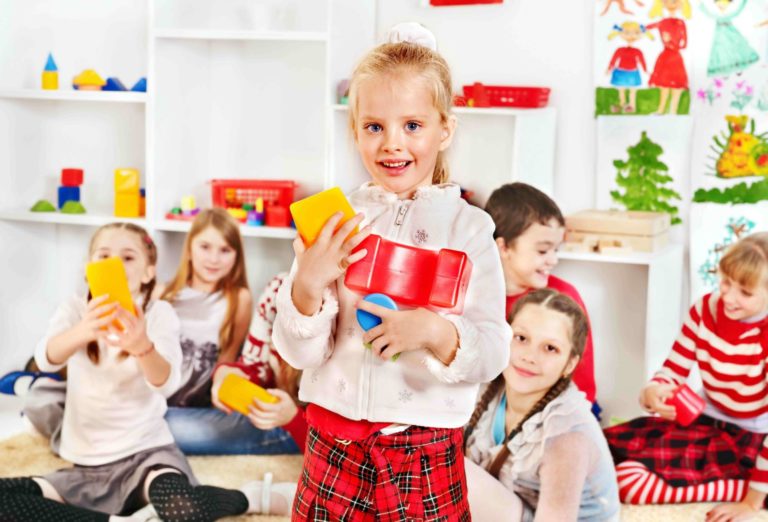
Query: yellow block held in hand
[[107, 276], [310, 214], [238, 393]]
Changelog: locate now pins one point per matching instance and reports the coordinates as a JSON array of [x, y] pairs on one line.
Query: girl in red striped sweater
[[723, 454]]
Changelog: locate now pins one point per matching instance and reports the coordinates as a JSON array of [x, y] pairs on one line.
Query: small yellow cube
[[126, 180], [310, 214], [127, 204]]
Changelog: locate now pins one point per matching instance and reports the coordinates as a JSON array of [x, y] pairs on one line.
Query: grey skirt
[[117, 488]]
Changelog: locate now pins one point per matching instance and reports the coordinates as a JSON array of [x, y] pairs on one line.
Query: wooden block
[[310, 214], [126, 180], [636, 243], [238, 393], [127, 204], [107, 276], [619, 222]]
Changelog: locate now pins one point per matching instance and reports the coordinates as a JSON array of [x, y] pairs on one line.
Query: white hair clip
[[411, 32]]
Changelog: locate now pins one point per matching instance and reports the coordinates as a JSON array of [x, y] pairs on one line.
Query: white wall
[[524, 42]]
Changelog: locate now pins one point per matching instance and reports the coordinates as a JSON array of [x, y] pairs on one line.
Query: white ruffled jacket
[[344, 377]]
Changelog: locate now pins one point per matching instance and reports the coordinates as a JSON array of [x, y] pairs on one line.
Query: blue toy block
[[367, 320], [50, 65], [68, 194], [140, 86], [114, 84]]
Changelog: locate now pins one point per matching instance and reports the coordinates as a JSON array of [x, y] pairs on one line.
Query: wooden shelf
[[73, 95], [210, 34]]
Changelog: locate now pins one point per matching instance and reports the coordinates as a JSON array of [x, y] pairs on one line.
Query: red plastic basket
[[479, 95], [229, 193]]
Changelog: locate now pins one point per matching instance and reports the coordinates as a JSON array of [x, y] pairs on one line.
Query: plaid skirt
[[704, 451], [416, 475]]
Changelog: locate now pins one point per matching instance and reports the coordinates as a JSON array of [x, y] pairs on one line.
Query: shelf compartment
[[92, 220], [170, 225], [72, 95]]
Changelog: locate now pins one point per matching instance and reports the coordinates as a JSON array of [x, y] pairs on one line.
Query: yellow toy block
[[107, 276], [238, 393], [50, 80], [188, 203], [127, 204], [310, 214], [89, 80], [238, 213], [126, 180]]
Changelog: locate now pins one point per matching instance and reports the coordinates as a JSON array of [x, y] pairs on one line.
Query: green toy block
[[43, 205], [73, 207]]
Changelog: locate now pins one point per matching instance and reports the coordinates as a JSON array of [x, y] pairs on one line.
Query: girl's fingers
[[326, 233], [389, 352], [298, 246], [357, 256], [106, 309], [96, 301], [375, 309], [373, 333], [267, 407], [379, 344], [340, 236]]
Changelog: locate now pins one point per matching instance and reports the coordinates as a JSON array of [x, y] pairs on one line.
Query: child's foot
[[267, 498]]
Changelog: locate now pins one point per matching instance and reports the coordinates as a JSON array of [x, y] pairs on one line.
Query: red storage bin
[[479, 95], [229, 193]]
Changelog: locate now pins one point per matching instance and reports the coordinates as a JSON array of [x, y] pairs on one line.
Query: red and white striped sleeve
[[677, 367]]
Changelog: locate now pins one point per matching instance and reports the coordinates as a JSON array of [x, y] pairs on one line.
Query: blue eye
[[412, 126], [373, 127]]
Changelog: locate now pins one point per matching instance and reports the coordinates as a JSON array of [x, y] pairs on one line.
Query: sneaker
[[17, 383]]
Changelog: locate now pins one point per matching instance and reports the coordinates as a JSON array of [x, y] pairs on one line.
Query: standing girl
[[113, 428], [731, 52], [626, 63], [722, 455], [534, 432], [669, 73], [385, 438]]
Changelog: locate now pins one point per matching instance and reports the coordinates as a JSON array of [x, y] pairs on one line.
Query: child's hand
[[98, 316], [732, 512], [328, 258], [653, 399], [132, 339], [266, 416], [406, 330], [218, 378]]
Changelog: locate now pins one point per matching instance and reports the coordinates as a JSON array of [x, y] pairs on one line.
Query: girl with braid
[[113, 428], [534, 449]]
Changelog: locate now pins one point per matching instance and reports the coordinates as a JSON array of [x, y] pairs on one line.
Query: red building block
[[71, 177], [411, 276]]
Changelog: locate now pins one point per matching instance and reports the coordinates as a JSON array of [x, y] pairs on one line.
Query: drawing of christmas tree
[[735, 229], [643, 176]]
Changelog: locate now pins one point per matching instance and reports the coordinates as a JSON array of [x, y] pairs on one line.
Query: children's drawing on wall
[[731, 52], [625, 65], [620, 5], [669, 73], [643, 180], [713, 229], [738, 152]]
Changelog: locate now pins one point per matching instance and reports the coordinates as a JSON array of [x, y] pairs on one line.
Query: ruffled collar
[[561, 415], [371, 193]]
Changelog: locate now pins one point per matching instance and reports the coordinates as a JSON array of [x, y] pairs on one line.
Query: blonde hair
[[626, 26], [658, 9], [746, 261], [405, 57], [229, 285], [150, 250]]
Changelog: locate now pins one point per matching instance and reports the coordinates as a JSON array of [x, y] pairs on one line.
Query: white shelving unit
[[634, 303]]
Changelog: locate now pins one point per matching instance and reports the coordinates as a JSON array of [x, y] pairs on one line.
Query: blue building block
[[140, 86], [50, 64], [68, 194], [367, 320], [114, 84]]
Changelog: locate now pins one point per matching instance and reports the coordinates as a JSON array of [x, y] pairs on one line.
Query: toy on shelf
[[238, 393], [140, 85], [88, 80], [616, 231], [114, 84], [255, 217], [69, 190], [127, 193], [688, 405], [411, 276], [50, 79], [43, 205], [108, 277], [240, 196], [73, 207], [367, 320], [186, 212], [479, 95], [342, 92], [311, 213]]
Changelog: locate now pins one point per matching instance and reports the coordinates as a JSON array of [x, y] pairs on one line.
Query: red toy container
[[687, 405], [234, 193], [479, 95]]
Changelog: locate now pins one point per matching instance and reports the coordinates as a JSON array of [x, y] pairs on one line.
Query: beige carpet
[[26, 454]]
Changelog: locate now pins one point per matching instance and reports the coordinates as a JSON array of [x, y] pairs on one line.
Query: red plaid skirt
[[416, 475], [706, 450]]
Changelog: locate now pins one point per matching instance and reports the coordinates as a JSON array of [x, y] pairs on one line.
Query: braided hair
[[550, 300], [146, 288]]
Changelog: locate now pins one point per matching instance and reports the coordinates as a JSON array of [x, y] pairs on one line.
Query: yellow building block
[[310, 214], [50, 80], [188, 203], [107, 277], [238, 393], [127, 204], [126, 180]]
